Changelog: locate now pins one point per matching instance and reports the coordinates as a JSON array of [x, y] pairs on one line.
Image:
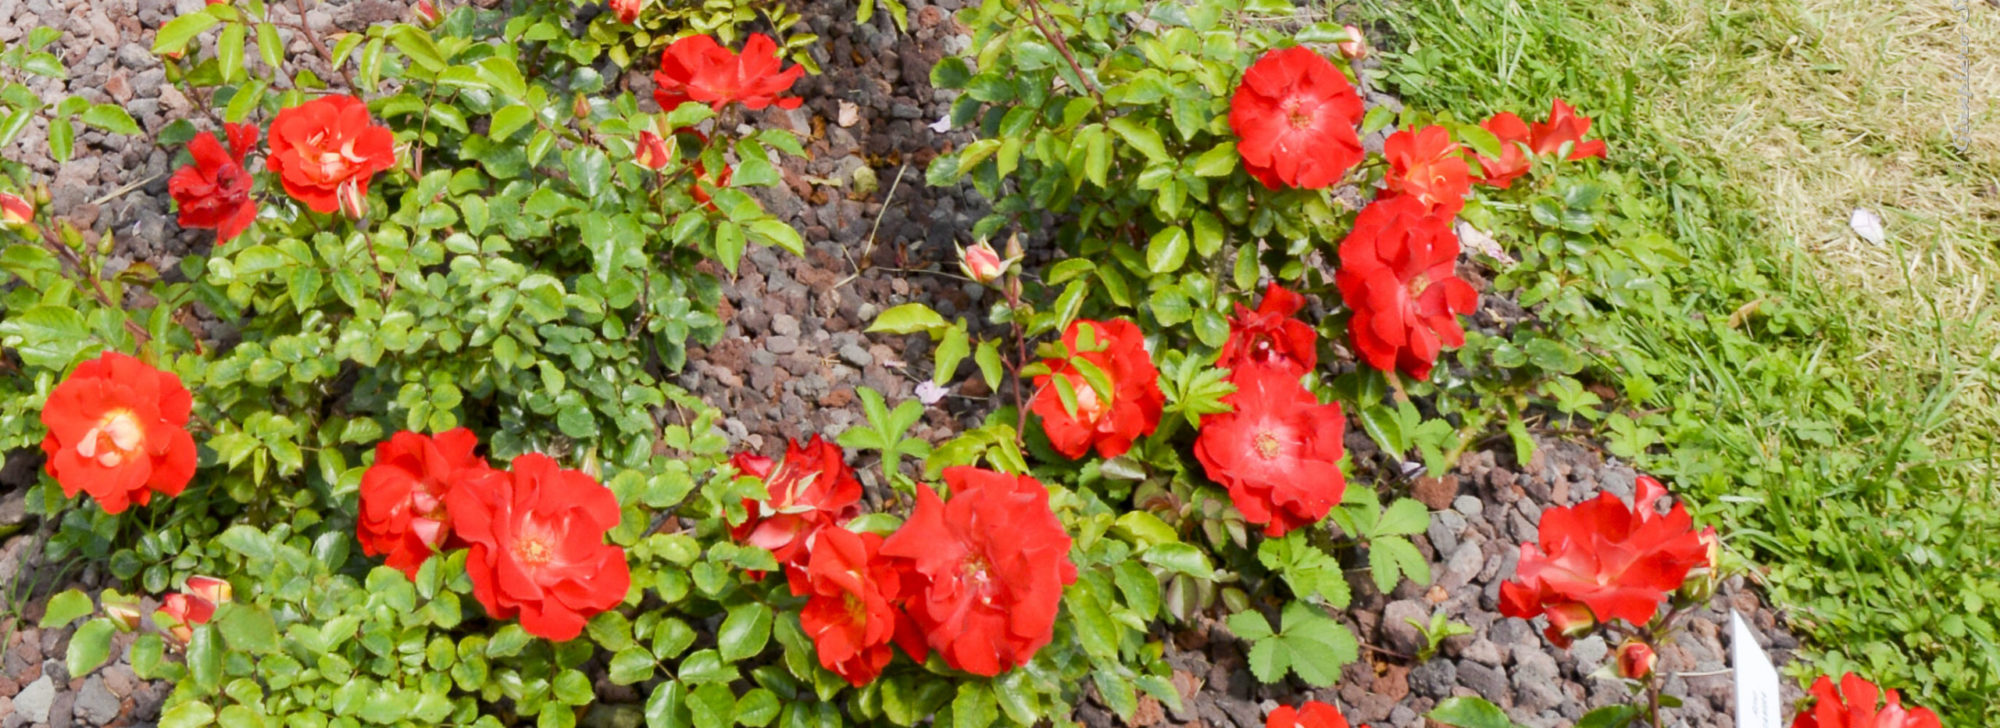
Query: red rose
[[1426, 164], [327, 144], [627, 11], [696, 68], [116, 431], [402, 494], [1119, 350], [1277, 451], [1269, 336], [849, 614], [1313, 714], [1513, 162], [537, 545], [1396, 273], [1565, 126], [214, 190], [811, 489], [1859, 709], [1295, 114], [986, 569], [1618, 562]]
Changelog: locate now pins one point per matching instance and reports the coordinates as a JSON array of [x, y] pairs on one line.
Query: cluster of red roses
[[978, 577], [1296, 116], [1599, 561], [325, 152], [1277, 450], [535, 532]]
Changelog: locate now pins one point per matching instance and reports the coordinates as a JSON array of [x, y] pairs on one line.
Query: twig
[[115, 194], [870, 247], [312, 36]]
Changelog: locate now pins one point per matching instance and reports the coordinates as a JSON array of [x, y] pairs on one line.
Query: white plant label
[[1758, 702]]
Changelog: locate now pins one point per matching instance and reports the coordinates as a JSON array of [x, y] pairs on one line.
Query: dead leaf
[[849, 114], [1484, 244]]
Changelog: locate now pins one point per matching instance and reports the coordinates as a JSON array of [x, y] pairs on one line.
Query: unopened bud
[[1356, 46], [216, 591], [627, 11], [353, 202], [981, 263], [1636, 660], [651, 151], [1571, 620], [15, 210], [580, 107], [122, 610], [426, 14]]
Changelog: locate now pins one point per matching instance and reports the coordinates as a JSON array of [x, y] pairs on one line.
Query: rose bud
[[1636, 659], [627, 11], [1571, 620], [981, 262], [426, 14], [1356, 46], [651, 151], [123, 610], [15, 210], [215, 591], [353, 202]]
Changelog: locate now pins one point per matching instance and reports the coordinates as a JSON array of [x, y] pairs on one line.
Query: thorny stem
[[1035, 13], [312, 36]]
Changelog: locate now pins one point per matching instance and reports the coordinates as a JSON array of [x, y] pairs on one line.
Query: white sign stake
[[1758, 702]]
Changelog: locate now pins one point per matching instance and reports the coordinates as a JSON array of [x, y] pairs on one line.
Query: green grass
[[1830, 402]]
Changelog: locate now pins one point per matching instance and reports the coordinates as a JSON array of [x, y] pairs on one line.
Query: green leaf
[[509, 119], [988, 358], [1180, 557], [418, 47], [1610, 716], [950, 351], [270, 49], [1249, 625], [1406, 517], [1218, 161], [89, 647], [1468, 712], [632, 665], [975, 706], [110, 118], [744, 632], [229, 52], [174, 36], [190, 714], [65, 608], [1167, 250], [1141, 137], [248, 628], [908, 318], [667, 707]]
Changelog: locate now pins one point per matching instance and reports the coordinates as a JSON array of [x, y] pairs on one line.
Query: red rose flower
[[1859, 709], [327, 144], [627, 11], [810, 490], [986, 569], [116, 431], [1313, 714], [1617, 562], [1269, 336], [849, 614], [1426, 164], [1397, 274], [1513, 162], [214, 190], [696, 68], [1133, 411], [537, 545], [1565, 126], [402, 495], [1277, 451], [1295, 114]]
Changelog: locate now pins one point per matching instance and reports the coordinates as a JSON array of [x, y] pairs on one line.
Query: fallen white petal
[[1867, 224]]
